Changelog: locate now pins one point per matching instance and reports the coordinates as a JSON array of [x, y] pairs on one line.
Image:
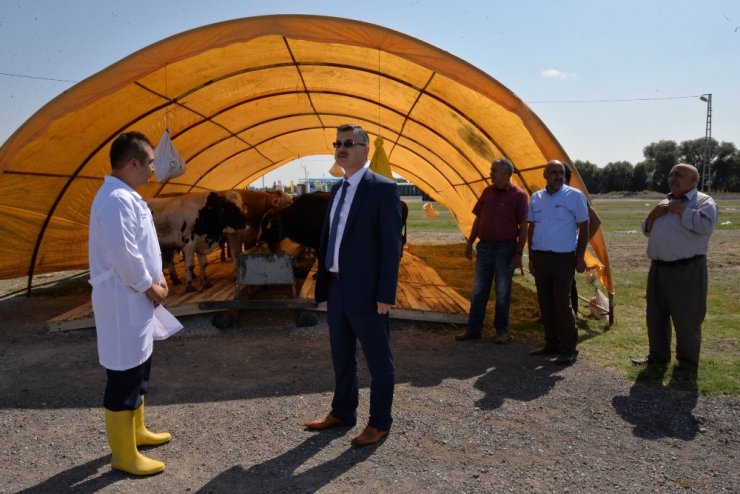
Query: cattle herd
[[195, 224]]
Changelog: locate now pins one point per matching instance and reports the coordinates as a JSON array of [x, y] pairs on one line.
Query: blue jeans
[[492, 263]]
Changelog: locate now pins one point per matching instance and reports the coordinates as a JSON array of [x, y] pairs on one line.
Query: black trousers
[[553, 275], [124, 389], [676, 292]]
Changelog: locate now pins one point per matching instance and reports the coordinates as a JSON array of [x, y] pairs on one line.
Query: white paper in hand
[[165, 324], [167, 161]]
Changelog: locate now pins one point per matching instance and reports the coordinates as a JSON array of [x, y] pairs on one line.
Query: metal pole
[[611, 310], [706, 169]]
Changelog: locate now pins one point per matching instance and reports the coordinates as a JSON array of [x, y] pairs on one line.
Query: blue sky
[[561, 57]]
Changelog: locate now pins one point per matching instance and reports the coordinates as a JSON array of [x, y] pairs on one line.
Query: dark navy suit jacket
[[370, 251]]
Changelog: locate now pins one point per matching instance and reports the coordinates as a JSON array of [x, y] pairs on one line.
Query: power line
[[36, 77], [614, 100], [529, 102], [538, 102]]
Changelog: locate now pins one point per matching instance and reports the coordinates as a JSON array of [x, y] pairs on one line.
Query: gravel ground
[[469, 417]]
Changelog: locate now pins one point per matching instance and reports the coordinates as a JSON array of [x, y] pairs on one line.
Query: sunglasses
[[347, 143]]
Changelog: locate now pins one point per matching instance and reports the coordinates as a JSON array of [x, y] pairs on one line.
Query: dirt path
[[469, 417]]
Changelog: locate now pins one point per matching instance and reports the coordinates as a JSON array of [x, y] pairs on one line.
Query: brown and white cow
[[257, 203], [194, 224]]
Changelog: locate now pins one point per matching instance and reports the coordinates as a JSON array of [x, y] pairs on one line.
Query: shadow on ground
[[657, 411], [279, 474]]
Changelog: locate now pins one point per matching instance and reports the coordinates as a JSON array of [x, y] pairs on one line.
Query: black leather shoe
[[545, 350], [467, 335], [567, 358], [684, 374]]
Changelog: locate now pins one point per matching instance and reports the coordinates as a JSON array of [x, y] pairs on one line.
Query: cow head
[[277, 199], [232, 211]]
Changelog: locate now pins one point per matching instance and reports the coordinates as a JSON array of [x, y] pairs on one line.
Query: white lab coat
[[124, 260]]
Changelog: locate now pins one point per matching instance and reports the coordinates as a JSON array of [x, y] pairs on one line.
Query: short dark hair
[[127, 146], [358, 131]]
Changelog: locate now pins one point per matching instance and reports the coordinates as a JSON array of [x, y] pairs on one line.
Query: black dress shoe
[[567, 358], [545, 350], [684, 372], [467, 335]]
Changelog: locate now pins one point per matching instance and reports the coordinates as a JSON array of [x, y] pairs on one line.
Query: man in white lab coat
[[128, 283]]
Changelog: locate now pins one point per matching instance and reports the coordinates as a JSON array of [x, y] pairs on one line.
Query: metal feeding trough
[[264, 269], [258, 270]]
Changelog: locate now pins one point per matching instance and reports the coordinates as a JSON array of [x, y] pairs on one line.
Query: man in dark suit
[[358, 256]]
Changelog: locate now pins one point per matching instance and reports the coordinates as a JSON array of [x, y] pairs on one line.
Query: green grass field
[[719, 371]]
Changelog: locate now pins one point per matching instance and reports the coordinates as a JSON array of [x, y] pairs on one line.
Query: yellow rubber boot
[[121, 436], [145, 437]]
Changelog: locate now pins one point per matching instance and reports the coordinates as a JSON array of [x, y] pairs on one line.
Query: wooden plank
[[294, 303], [223, 292], [76, 313], [422, 295], [429, 316], [69, 325], [89, 322], [190, 310], [416, 315]]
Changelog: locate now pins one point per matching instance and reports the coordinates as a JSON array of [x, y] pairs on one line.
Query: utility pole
[[305, 175], [706, 169]]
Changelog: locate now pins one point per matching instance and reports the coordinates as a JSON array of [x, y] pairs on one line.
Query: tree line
[[660, 157]]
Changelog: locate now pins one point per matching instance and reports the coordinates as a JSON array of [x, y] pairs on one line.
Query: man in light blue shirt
[[558, 235], [678, 231]]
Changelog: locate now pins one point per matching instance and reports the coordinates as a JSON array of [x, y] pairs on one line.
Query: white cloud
[[557, 74]]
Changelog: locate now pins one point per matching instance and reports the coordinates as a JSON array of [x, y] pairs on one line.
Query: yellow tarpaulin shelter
[[244, 97]]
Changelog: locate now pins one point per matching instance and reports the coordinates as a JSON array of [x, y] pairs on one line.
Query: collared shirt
[[556, 218], [674, 237], [500, 212], [354, 182]]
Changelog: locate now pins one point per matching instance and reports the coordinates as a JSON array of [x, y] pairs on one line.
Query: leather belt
[[334, 275], [678, 262]]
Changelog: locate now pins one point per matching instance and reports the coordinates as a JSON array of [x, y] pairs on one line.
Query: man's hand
[[156, 293], [383, 308], [581, 265], [516, 261], [654, 214], [469, 251], [675, 207], [163, 284]]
